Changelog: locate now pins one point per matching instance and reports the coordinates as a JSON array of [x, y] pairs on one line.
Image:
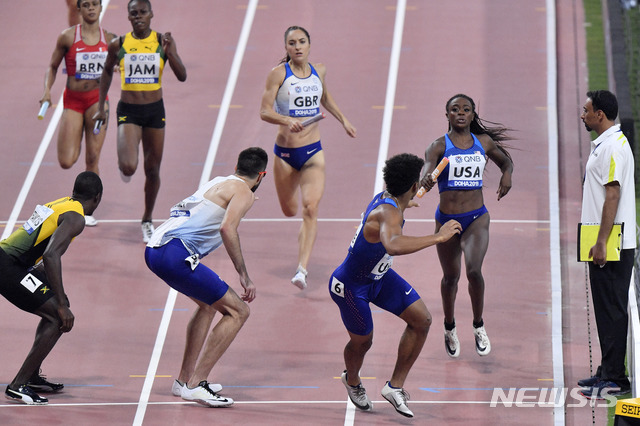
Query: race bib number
[[183, 208], [382, 267], [193, 261], [40, 214], [465, 171], [31, 283], [304, 98], [142, 68], [89, 65], [337, 287]]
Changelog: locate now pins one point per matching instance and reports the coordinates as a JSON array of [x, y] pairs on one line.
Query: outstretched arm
[[396, 243], [432, 155]]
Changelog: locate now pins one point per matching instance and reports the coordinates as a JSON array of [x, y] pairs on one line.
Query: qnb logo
[[547, 397], [142, 57], [476, 158], [98, 55], [306, 89]]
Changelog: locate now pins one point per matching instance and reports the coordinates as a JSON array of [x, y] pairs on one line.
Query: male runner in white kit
[[198, 225]]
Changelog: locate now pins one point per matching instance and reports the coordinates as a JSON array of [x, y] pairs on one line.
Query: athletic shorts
[[465, 219], [143, 115], [169, 263], [25, 287], [391, 293], [297, 157], [80, 101]]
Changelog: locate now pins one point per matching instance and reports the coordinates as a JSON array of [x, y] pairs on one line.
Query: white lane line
[[383, 149], [554, 215], [206, 172]]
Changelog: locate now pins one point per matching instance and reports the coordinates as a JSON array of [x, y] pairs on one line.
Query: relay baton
[[43, 110], [96, 127], [434, 175], [313, 119]]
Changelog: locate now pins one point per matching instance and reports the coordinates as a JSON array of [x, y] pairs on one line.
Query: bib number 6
[[337, 287]]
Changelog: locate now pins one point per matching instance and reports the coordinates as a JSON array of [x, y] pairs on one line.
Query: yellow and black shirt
[[27, 243], [141, 62]]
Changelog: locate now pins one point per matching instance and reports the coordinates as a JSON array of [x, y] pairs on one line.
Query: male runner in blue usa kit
[[366, 277]]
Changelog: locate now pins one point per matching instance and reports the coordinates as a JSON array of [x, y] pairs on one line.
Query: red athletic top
[[83, 61]]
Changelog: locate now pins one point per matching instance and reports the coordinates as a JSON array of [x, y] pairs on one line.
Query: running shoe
[[300, 278], [587, 383], [483, 345], [604, 388], [398, 397], [26, 395], [451, 343], [90, 220], [357, 394], [125, 178], [176, 388], [147, 231], [202, 394], [40, 384]]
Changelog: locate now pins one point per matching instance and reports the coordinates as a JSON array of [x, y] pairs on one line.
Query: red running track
[[283, 368]]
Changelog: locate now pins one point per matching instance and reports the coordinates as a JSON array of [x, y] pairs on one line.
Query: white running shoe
[[90, 220], [147, 231], [483, 345], [202, 394], [176, 388], [300, 278], [357, 394], [398, 397], [451, 343]]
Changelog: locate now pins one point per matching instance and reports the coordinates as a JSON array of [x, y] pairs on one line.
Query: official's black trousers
[[610, 294]]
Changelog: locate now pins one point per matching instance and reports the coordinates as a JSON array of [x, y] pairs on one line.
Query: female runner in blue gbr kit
[[467, 144], [294, 91]]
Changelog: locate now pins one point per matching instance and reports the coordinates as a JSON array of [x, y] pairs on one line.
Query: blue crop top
[[366, 261], [465, 168]]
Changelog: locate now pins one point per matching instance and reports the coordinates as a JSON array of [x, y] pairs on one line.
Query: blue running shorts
[[391, 293], [169, 263]]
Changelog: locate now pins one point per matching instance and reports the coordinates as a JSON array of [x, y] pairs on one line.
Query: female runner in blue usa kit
[[467, 144], [294, 91]]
